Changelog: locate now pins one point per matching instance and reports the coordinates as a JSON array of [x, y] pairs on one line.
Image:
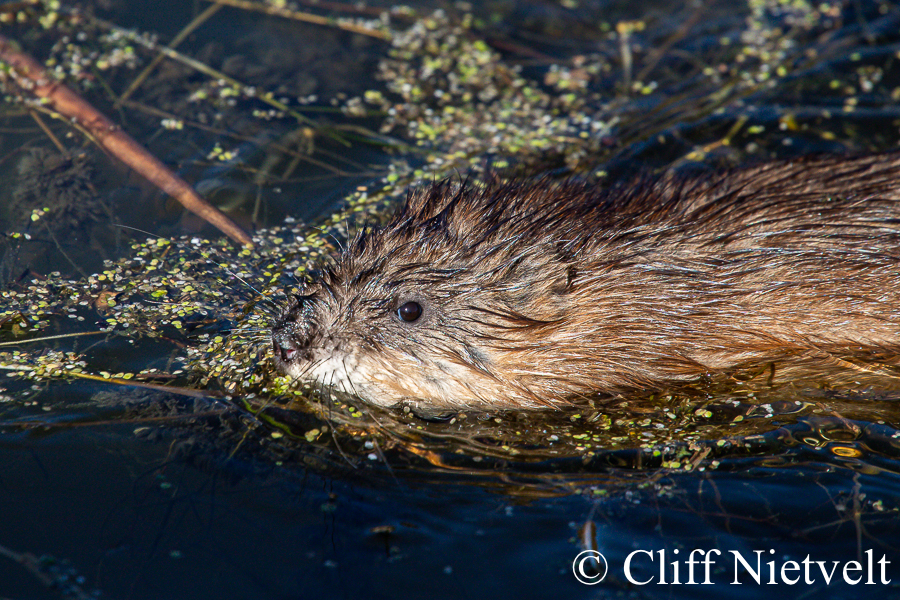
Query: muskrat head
[[445, 307]]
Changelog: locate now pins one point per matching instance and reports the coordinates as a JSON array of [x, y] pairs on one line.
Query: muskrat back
[[531, 294]]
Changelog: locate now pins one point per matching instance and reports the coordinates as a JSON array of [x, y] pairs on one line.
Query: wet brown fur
[[535, 293]]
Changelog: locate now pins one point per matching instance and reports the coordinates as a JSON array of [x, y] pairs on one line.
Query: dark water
[[162, 496]]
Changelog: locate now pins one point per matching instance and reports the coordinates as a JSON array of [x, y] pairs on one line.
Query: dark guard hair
[[529, 294]]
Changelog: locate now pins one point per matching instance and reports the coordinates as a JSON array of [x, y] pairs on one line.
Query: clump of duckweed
[[462, 103], [213, 301], [77, 56]]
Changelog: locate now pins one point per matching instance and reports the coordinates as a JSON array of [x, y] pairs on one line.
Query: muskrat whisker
[[260, 297], [331, 428], [337, 242], [310, 367], [266, 304], [159, 237], [353, 391]]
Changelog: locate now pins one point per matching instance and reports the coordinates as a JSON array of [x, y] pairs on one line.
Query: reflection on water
[[236, 487]]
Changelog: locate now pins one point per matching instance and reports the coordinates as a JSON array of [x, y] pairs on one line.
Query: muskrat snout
[[294, 331]]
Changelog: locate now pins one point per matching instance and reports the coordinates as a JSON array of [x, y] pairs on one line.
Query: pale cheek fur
[[388, 380], [339, 371]]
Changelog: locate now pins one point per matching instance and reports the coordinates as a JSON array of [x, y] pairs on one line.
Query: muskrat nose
[[284, 347], [294, 331]]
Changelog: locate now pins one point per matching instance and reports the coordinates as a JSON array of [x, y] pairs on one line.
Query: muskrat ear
[[566, 281], [549, 268], [565, 270]]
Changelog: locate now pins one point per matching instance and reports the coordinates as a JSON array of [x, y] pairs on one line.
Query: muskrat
[[532, 294]]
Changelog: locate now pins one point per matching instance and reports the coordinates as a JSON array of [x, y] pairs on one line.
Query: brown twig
[[62, 583], [182, 35], [47, 131], [207, 70], [295, 15], [357, 8], [31, 78], [169, 389]]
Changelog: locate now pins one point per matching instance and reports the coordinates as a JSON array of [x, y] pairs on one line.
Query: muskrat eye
[[410, 311]]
